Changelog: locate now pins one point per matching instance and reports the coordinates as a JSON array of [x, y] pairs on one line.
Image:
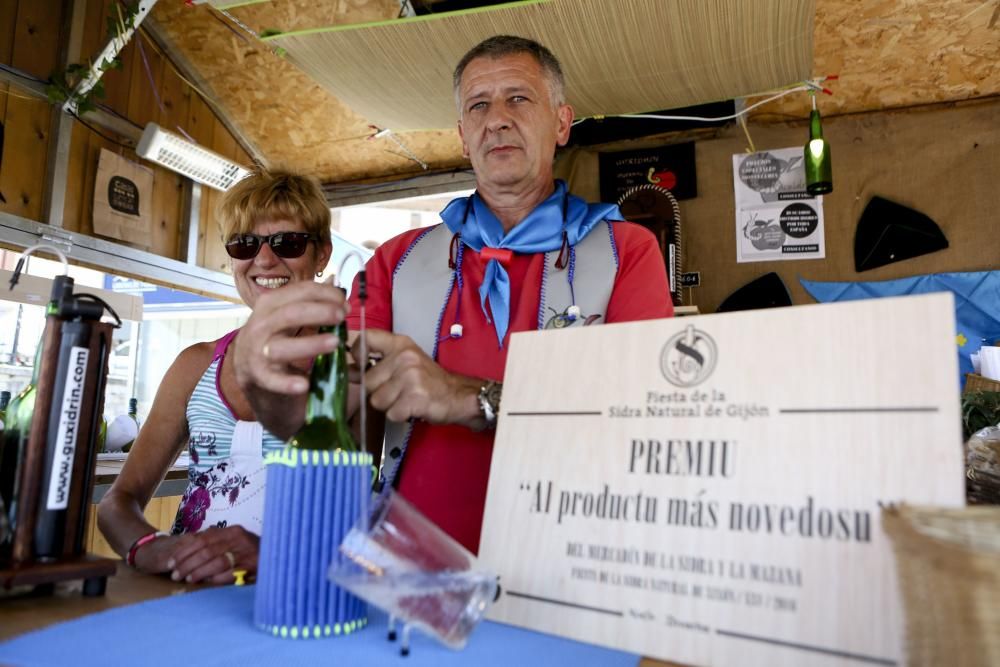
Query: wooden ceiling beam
[[127, 131], [414, 186]]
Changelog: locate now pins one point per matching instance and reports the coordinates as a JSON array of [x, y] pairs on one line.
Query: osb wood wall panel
[[29, 41], [899, 53], [278, 108], [941, 160], [290, 15]]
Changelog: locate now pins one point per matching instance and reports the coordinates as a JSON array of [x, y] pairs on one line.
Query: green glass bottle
[[326, 408], [133, 415], [819, 171], [17, 426], [102, 434], [4, 402]]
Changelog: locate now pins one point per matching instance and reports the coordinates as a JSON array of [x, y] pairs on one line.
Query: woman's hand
[[209, 556]]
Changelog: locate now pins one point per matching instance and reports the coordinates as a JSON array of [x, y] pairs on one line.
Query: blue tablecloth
[[214, 627]]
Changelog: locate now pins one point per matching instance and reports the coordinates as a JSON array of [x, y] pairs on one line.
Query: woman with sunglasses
[[276, 227]]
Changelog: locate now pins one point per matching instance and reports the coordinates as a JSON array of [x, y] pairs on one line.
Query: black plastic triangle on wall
[[768, 291], [889, 232]]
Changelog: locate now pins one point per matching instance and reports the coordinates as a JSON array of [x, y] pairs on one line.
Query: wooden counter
[[28, 612], [25, 613]]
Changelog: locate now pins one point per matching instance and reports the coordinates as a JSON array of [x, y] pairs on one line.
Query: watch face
[[493, 391], [489, 400]]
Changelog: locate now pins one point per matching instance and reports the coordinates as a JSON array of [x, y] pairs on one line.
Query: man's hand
[[209, 556], [407, 383], [273, 351]]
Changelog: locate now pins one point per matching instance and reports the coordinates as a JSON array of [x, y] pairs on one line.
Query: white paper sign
[[776, 219], [706, 490]]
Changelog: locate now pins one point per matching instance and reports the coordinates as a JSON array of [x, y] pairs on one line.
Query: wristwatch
[[489, 401]]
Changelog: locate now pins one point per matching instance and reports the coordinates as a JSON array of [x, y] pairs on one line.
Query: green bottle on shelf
[[4, 401], [326, 425], [102, 435], [17, 425], [133, 415]]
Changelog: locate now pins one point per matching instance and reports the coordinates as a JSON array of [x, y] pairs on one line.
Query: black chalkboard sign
[[671, 167]]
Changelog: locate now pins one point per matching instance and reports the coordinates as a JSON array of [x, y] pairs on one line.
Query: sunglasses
[[287, 245]]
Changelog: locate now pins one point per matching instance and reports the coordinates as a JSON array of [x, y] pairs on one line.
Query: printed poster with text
[[776, 219]]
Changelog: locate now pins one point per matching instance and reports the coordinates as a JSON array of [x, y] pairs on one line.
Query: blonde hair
[[274, 195]]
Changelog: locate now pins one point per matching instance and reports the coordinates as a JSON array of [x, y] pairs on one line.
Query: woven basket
[[975, 382], [948, 562]]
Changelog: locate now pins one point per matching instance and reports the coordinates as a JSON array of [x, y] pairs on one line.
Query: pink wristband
[[142, 541]]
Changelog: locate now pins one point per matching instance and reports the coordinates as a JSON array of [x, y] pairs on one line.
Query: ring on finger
[[231, 558]]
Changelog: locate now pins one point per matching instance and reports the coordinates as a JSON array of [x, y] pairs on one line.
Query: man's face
[[509, 124]]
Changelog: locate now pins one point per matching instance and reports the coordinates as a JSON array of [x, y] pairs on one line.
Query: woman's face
[[268, 271]]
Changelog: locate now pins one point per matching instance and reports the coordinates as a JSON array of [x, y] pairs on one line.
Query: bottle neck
[[328, 380], [37, 367], [815, 125], [325, 425]]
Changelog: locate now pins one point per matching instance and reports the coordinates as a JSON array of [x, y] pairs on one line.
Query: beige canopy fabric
[[619, 56]]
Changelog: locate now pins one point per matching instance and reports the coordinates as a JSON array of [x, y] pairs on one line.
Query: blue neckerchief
[[541, 231]]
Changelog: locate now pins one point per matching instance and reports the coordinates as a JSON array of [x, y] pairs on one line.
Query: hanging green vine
[[62, 83]]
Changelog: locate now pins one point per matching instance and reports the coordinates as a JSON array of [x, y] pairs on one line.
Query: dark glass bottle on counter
[[133, 413], [326, 425], [17, 426], [4, 402], [4, 523]]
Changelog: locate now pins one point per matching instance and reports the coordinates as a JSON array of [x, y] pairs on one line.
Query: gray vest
[[422, 283]]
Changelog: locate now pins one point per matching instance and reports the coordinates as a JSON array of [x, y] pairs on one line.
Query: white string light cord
[[812, 86], [23, 258], [389, 134]]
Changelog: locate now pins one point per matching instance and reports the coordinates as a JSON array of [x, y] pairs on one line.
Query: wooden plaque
[[706, 490]]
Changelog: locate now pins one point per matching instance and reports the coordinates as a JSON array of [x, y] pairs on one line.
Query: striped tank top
[[219, 479]]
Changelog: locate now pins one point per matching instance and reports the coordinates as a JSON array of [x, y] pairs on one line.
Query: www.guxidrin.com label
[[69, 422]]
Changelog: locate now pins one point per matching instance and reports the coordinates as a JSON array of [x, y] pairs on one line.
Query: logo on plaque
[[688, 358]]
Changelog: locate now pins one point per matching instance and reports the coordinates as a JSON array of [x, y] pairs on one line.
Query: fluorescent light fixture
[[189, 159]]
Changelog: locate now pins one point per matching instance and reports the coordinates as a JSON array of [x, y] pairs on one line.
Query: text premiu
[[698, 458]]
